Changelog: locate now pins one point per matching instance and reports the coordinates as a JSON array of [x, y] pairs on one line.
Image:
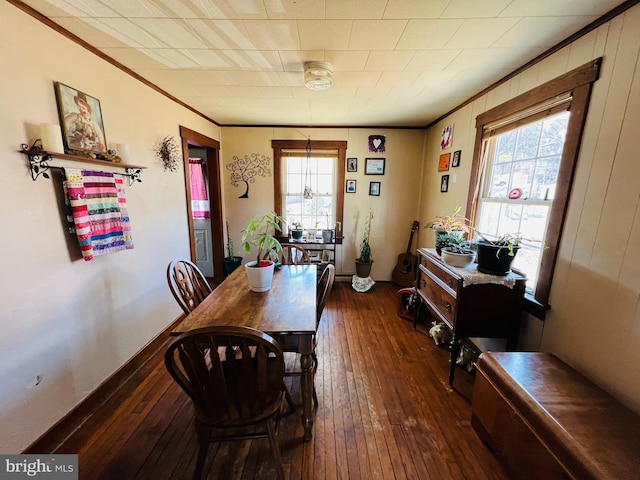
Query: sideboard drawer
[[449, 280], [442, 300]]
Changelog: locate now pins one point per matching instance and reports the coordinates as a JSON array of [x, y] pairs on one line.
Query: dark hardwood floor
[[385, 412]]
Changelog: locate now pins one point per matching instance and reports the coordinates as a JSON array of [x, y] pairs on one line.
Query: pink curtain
[[199, 198]]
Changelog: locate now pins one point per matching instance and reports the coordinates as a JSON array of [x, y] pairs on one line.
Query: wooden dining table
[[286, 311]]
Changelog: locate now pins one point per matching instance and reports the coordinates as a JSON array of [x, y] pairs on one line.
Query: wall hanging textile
[[97, 214]]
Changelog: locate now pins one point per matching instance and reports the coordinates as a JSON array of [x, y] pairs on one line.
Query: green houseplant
[[496, 255], [364, 261], [231, 261], [449, 229], [259, 234], [296, 230]]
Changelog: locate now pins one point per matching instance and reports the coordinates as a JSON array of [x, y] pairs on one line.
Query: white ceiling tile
[[324, 34], [134, 8], [171, 58], [415, 9], [430, 60], [257, 79], [207, 58], [395, 61], [99, 38], [371, 9], [395, 79], [166, 77], [273, 34], [172, 33], [376, 34], [427, 34], [125, 31], [295, 9], [221, 34], [480, 33], [347, 61], [475, 9], [360, 79]]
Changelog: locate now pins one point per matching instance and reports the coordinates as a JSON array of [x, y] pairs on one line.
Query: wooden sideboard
[[469, 303]]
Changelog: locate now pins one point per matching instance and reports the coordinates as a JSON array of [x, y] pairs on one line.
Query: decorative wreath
[[168, 152]]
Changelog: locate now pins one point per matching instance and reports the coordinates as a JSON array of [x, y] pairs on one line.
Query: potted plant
[[296, 230], [258, 233], [495, 256], [364, 261], [231, 261], [449, 225], [457, 253]]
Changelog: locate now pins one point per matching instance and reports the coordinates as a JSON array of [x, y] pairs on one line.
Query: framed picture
[[326, 256], [444, 183], [352, 164], [443, 163], [81, 120], [377, 143], [374, 189], [374, 166], [455, 162], [351, 186], [446, 140]]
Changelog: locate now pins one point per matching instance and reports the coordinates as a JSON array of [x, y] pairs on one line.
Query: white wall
[[71, 322], [594, 322]]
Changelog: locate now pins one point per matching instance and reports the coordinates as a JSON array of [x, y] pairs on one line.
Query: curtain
[[199, 197]]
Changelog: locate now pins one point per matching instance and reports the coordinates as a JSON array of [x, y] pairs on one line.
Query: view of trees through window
[[519, 186], [317, 212]]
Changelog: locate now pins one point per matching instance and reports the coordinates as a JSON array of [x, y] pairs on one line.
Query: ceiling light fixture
[[317, 75]]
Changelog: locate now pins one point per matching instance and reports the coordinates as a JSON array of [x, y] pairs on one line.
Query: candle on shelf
[[122, 150], [51, 137]]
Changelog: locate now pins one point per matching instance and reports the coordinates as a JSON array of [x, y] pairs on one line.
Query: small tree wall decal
[[246, 170]]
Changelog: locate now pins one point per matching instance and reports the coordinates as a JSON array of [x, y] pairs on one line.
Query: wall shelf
[[39, 162]]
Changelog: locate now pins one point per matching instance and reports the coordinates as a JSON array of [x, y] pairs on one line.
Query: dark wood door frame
[[195, 139]]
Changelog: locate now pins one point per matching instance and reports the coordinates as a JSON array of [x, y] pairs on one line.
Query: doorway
[[205, 237]]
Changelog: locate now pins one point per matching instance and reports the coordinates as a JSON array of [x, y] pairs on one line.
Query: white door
[[202, 226], [204, 247]]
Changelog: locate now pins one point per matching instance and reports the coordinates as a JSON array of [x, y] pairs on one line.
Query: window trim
[[339, 145], [578, 83]]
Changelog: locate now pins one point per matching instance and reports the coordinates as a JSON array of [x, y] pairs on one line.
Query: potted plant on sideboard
[[231, 261], [495, 255], [259, 234], [448, 226], [364, 261]]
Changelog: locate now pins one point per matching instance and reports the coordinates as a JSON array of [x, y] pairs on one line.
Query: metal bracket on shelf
[[39, 163]]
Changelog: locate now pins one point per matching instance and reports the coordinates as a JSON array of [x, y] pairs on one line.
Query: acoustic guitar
[[404, 273]]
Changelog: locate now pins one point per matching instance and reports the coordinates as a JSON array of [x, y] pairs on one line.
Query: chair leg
[[204, 435], [315, 397], [288, 398], [275, 449]]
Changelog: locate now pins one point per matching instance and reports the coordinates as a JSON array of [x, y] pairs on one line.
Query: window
[[524, 159], [323, 172]]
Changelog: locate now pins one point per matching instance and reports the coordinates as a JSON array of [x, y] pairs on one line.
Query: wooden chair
[[291, 254], [187, 284], [234, 376]]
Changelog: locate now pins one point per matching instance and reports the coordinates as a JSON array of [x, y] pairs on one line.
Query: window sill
[[534, 307]]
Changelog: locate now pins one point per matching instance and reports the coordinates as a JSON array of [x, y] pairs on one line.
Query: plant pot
[[259, 277], [327, 236], [459, 260], [296, 234], [494, 259], [363, 269], [231, 263]]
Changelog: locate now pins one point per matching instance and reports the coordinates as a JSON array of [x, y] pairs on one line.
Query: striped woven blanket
[[97, 212]]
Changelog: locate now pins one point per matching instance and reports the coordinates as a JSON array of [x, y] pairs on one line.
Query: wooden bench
[[544, 420]]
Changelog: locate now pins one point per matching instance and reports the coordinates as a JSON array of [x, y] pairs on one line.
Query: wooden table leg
[[306, 363], [454, 346]]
